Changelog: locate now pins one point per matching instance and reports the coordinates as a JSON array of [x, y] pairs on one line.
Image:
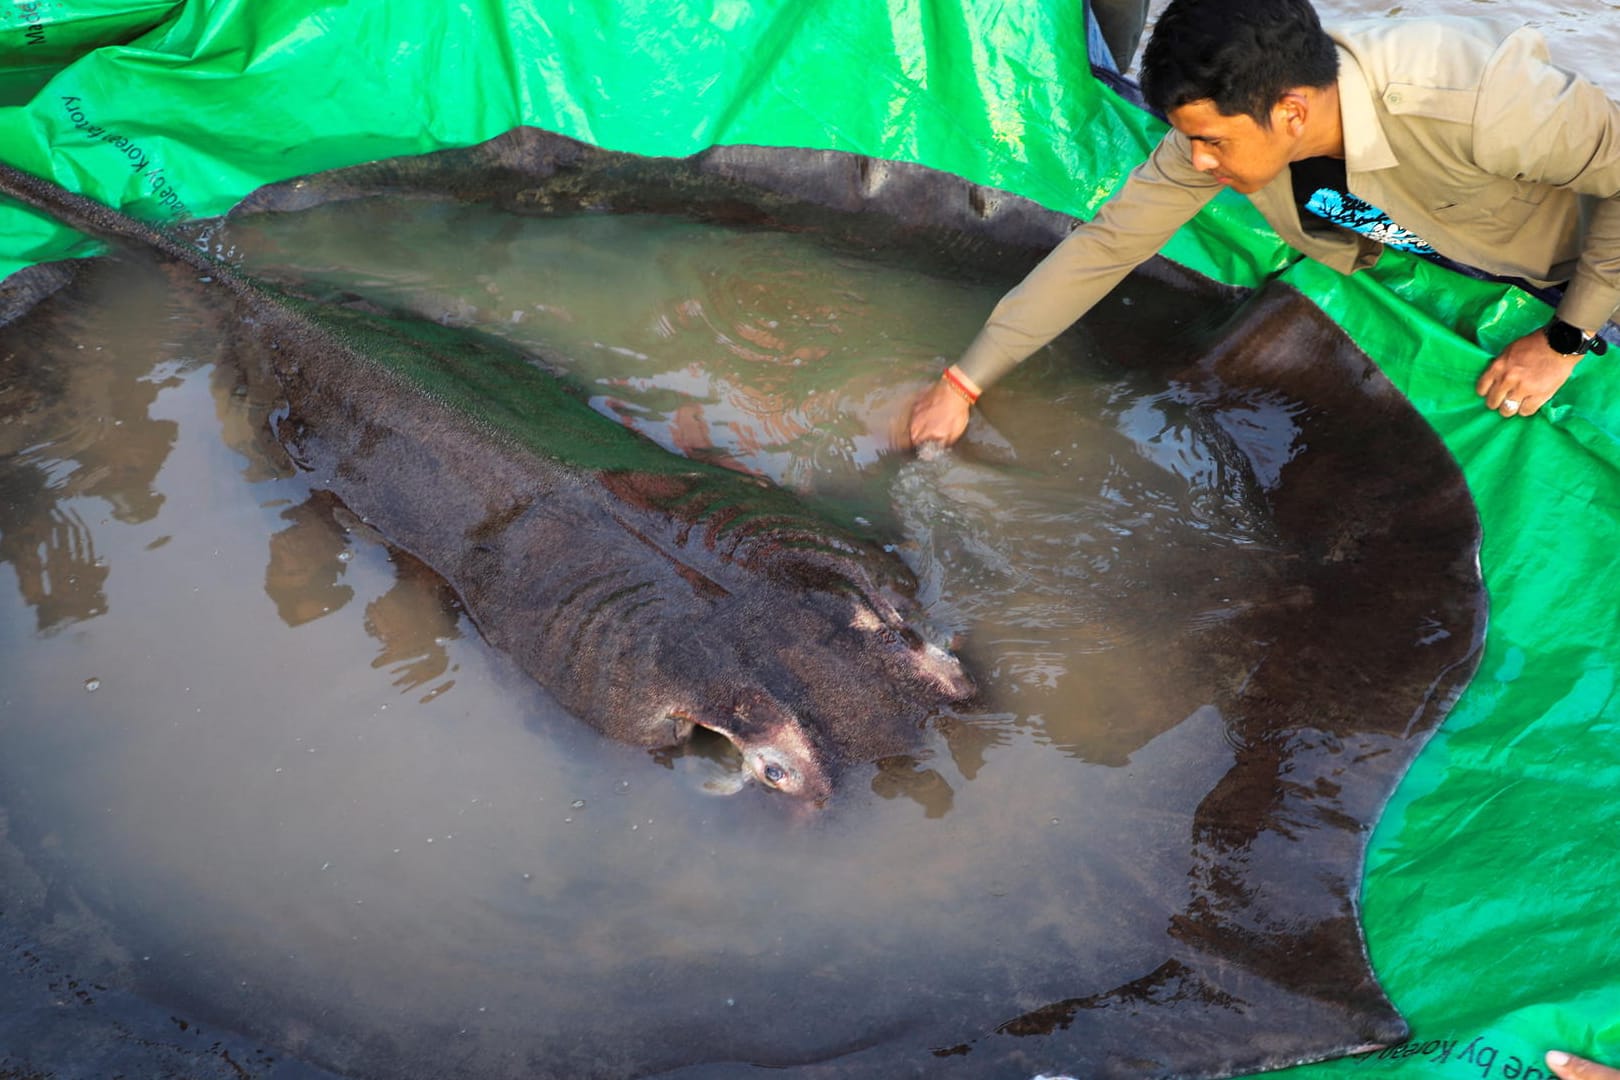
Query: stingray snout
[[777, 748]]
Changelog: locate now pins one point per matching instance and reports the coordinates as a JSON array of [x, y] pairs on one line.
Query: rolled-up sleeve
[[1159, 196]]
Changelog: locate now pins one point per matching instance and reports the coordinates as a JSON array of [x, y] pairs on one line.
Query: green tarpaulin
[[1487, 891]]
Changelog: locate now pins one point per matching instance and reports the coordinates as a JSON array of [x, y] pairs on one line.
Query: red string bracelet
[[957, 383]]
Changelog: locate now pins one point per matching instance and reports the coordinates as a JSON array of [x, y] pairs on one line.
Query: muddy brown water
[[261, 776]]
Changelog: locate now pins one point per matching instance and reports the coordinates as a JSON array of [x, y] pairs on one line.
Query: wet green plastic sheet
[[1488, 887]]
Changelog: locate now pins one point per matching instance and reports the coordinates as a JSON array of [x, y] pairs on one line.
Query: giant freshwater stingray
[[1324, 685], [650, 595]]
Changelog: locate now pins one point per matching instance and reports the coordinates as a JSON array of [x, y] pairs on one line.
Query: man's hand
[[940, 414], [1526, 374], [1570, 1067]]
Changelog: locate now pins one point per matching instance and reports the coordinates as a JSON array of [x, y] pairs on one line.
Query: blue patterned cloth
[[1358, 215]]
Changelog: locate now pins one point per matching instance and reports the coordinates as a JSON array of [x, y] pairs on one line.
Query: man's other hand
[[1525, 376]]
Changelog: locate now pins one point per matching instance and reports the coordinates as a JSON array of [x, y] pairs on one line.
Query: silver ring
[[1510, 404]]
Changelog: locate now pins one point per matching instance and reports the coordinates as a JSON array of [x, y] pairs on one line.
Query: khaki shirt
[[1460, 129]]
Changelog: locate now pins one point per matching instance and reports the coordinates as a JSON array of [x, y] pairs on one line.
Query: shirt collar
[[1365, 147]]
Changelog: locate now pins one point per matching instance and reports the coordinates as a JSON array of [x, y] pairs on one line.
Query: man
[[1449, 135]]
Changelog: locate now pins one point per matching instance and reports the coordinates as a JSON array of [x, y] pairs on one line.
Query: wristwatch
[[1572, 340]]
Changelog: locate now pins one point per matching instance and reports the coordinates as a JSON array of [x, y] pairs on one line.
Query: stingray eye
[[774, 773]]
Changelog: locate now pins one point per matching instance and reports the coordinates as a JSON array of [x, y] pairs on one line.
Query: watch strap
[[1572, 340]]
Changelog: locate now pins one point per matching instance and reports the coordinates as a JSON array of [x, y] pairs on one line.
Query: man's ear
[[1291, 111]]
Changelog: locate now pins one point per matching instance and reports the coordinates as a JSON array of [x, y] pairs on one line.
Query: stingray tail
[[96, 219]]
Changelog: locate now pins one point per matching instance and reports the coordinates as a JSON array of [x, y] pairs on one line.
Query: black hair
[[1241, 55]]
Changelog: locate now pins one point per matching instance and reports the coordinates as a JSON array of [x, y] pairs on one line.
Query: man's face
[[1236, 150]]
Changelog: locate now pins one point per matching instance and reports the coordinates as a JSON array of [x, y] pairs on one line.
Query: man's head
[[1249, 82], [1239, 55]]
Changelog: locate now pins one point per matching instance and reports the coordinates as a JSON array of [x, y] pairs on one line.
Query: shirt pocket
[[1500, 208], [1434, 102]]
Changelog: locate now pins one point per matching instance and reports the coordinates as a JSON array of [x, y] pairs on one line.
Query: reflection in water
[[54, 557], [904, 777], [77, 443], [413, 622], [324, 813], [307, 561]]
